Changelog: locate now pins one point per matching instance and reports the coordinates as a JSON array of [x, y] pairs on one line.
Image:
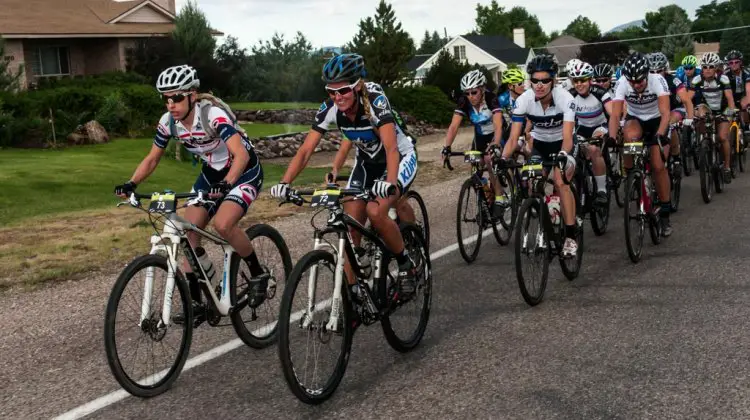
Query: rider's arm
[[450, 136], [510, 145], [148, 164], [614, 117], [569, 123], [497, 122], [302, 156], [687, 101], [518, 117], [387, 134], [338, 161], [728, 92], [665, 113], [240, 158]]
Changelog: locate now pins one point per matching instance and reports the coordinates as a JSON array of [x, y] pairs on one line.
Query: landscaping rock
[[96, 132]]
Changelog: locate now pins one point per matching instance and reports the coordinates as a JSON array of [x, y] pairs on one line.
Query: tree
[[149, 56], [194, 35], [711, 16], [9, 78], [232, 59], [657, 23], [494, 20], [583, 28], [431, 43], [631, 33], [736, 39], [554, 35], [674, 44], [385, 46], [613, 53]]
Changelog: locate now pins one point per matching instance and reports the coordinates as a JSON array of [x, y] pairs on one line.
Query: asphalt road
[[664, 338]]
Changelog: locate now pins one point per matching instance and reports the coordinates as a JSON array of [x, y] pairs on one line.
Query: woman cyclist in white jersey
[[231, 172], [385, 154]]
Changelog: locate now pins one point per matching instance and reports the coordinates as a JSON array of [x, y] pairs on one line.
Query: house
[[495, 52], [56, 38], [700, 48], [565, 48]]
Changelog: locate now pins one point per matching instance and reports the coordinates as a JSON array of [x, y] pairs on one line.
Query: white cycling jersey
[[645, 105], [590, 110], [547, 124]]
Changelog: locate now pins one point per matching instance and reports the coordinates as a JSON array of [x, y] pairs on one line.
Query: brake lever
[[447, 163]]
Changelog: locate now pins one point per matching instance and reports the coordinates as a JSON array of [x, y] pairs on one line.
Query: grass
[[261, 129], [252, 106]]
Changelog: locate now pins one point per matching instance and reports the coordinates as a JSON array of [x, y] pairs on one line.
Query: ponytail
[[365, 97]]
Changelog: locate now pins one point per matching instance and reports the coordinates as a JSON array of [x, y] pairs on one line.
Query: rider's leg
[[568, 203], [599, 166], [674, 142], [355, 209], [661, 180], [198, 216], [722, 133], [631, 132]]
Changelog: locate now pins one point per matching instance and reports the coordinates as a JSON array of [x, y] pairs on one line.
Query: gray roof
[[500, 47], [564, 54], [416, 61]]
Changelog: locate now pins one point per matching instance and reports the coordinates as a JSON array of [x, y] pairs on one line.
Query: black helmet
[[543, 62], [635, 67], [602, 70], [344, 68], [733, 55]]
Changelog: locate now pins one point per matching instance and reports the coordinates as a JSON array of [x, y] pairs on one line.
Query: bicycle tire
[[468, 188], [285, 315], [414, 241], [718, 169], [110, 318], [571, 273], [599, 214], [684, 137], [705, 171], [425, 222], [734, 141], [500, 225], [248, 337], [525, 214], [675, 191], [633, 193]]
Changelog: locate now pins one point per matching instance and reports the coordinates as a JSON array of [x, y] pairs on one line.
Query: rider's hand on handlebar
[[687, 122], [562, 156], [446, 151], [125, 189], [330, 177], [280, 191], [219, 189], [381, 188]]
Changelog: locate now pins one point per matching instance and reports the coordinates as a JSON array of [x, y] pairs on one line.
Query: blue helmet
[[344, 68]]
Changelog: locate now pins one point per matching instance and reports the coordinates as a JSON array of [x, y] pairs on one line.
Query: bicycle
[[586, 183], [612, 153], [549, 236], [736, 145], [640, 190], [478, 186], [346, 308], [675, 182], [710, 159], [223, 295]]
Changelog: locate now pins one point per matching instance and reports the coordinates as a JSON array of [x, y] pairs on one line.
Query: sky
[[334, 22]]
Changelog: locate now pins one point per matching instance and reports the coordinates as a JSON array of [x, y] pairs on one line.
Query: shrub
[[425, 103]]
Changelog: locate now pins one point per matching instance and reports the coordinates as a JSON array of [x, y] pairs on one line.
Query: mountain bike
[[710, 159], [736, 146], [225, 293], [640, 193], [585, 183], [675, 179], [320, 274]]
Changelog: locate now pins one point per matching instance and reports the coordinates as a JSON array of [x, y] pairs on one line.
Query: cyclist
[[567, 84], [592, 107], [551, 113], [713, 94], [603, 77], [679, 102], [647, 119], [483, 110], [514, 83], [385, 155], [231, 172], [739, 79], [688, 70]]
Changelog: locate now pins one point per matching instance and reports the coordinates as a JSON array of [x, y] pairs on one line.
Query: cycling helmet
[[733, 55], [513, 76], [710, 59], [473, 79], [571, 64], [344, 68], [181, 77], [690, 61], [581, 70], [635, 67], [602, 70], [658, 62], [543, 62]]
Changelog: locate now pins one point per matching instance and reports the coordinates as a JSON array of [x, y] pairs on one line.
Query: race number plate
[[325, 198], [531, 171], [162, 203], [472, 156], [632, 148]]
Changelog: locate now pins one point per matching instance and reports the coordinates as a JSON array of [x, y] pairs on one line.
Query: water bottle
[[206, 263], [553, 204]]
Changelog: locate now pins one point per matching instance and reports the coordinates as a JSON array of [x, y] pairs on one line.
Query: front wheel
[[303, 325], [635, 218], [705, 166], [599, 213], [532, 251], [469, 219], [144, 327], [275, 260]]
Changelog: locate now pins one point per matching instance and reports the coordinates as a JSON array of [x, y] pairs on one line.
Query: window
[[459, 52], [50, 61]]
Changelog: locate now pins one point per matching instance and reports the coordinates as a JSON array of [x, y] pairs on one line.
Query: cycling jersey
[[547, 125], [506, 104], [645, 105], [675, 86], [213, 151], [482, 117], [363, 131], [589, 109], [737, 83], [711, 93], [688, 81]]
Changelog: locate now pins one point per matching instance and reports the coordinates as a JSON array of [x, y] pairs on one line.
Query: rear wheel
[[420, 214], [504, 224]]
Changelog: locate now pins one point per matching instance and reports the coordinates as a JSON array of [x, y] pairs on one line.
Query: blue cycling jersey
[[680, 73]]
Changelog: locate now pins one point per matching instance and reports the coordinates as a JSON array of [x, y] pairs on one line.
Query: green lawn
[[261, 129], [48, 182], [252, 106]]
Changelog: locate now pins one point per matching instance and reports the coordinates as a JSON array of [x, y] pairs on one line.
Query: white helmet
[[571, 64], [473, 79], [581, 70], [174, 78], [710, 59]]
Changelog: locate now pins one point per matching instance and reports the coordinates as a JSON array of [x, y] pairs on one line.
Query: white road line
[[117, 396]]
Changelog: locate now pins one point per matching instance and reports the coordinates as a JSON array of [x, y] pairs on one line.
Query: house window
[[50, 61], [459, 52]]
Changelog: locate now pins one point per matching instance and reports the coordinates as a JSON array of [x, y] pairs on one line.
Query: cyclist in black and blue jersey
[[513, 86], [483, 109], [739, 80]]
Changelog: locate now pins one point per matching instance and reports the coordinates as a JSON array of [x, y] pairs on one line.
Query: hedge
[[425, 103]]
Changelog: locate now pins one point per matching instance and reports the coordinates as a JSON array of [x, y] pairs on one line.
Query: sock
[[665, 209], [570, 231], [601, 183], [402, 257], [195, 290], [253, 264]]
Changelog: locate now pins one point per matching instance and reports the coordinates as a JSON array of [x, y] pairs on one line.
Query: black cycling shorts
[[243, 192], [648, 128]]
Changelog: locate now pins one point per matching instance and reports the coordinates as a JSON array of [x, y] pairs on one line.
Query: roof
[[77, 18], [563, 53], [417, 61], [500, 47]]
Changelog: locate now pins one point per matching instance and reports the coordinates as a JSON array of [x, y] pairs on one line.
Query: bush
[[425, 103]]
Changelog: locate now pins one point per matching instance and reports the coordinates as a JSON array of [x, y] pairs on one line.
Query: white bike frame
[[168, 244]]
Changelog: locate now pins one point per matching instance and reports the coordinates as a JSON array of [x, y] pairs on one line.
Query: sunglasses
[[472, 92], [343, 90], [175, 99], [688, 67], [602, 80], [733, 62], [656, 71], [581, 80], [540, 81], [636, 81], [711, 67]]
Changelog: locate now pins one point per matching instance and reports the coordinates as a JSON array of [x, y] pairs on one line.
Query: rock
[[76, 139], [96, 132]]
